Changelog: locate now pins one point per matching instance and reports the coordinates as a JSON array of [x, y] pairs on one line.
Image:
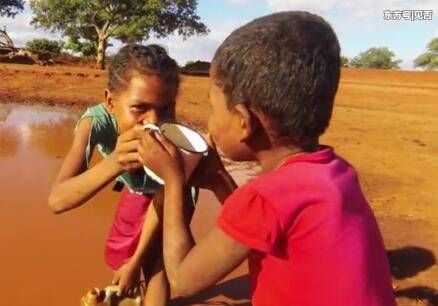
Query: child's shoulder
[[101, 118], [96, 110], [300, 182], [103, 124]]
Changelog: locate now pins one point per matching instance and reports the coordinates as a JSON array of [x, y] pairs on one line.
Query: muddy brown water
[[52, 259]]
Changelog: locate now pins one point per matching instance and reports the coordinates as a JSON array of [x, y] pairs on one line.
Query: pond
[[52, 259]]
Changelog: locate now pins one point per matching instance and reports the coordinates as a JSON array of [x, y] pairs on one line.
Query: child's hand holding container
[[171, 150]]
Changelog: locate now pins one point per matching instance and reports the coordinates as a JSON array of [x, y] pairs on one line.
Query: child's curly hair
[[150, 59], [286, 65]]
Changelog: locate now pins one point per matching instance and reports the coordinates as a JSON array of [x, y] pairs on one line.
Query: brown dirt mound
[[70, 60], [28, 58], [17, 59]]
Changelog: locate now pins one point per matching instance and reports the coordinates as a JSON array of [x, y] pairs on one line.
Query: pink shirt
[[313, 236]]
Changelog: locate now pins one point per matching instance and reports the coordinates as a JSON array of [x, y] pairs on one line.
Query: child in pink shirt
[[304, 225]]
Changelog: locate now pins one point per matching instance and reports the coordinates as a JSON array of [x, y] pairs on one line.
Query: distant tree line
[[383, 58]]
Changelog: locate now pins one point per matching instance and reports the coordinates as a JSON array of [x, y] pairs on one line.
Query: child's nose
[[150, 116]]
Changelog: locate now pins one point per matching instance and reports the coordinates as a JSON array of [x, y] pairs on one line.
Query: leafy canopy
[[126, 20], [89, 24], [44, 45], [429, 59], [10, 8], [378, 58]]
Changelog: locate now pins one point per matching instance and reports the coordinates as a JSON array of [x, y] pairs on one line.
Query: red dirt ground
[[384, 122]]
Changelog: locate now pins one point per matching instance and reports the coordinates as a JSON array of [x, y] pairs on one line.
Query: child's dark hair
[[150, 59], [286, 65]]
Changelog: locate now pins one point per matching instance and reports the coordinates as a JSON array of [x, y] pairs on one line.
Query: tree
[[91, 23], [429, 59], [44, 45], [10, 8], [378, 58], [85, 48], [344, 61]]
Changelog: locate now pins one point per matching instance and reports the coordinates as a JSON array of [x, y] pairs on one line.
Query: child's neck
[[272, 158]]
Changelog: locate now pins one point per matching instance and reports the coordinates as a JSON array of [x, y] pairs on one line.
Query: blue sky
[[359, 25]]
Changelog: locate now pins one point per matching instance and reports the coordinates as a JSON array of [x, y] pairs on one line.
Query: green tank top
[[104, 135]]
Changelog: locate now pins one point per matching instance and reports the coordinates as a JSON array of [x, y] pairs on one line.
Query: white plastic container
[[190, 143]]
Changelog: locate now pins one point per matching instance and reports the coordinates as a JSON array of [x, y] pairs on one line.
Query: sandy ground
[[385, 123]]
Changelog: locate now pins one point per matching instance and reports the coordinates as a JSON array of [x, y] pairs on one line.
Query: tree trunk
[[101, 49], [5, 40]]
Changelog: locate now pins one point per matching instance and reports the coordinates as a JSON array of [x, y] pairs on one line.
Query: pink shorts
[[125, 231]]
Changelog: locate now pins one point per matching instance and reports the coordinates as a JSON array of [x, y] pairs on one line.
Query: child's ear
[[109, 102], [247, 123]]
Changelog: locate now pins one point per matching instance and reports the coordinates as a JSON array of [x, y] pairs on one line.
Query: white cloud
[[20, 30], [407, 62], [198, 47], [311, 5], [194, 47]]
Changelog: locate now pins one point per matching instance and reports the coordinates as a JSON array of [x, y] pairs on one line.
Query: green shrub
[[44, 45]]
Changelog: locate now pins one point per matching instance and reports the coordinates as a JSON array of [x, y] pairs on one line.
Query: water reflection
[[5, 110], [39, 244], [9, 140], [49, 137], [35, 128]]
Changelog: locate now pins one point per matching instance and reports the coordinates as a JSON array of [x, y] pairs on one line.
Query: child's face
[[147, 99], [229, 128]]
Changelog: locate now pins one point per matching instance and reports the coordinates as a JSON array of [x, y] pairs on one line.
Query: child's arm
[[189, 267], [75, 184]]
